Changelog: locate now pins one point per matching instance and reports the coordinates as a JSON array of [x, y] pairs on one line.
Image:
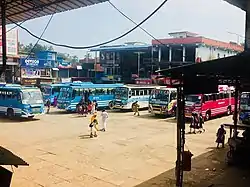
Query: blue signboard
[[37, 63]]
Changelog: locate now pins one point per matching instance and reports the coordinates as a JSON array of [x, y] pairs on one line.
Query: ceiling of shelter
[[22, 10]]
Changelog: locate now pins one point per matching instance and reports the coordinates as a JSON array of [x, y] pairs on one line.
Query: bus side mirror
[[129, 96]]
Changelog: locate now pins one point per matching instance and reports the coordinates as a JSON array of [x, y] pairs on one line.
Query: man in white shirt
[[104, 116]]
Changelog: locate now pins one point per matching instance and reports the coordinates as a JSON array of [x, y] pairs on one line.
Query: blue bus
[[50, 91], [20, 101], [126, 95], [72, 94]]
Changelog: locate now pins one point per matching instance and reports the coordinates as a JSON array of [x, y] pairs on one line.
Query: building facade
[[12, 56], [137, 60], [39, 69]]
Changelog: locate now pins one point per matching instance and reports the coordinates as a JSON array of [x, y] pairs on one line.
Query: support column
[[247, 27], [170, 54], [180, 137], [159, 55], [183, 54], [4, 53]]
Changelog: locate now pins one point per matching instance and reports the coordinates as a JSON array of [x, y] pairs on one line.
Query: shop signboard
[[28, 81], [11, 42], [36, 63], [64, 64], [35, 73]]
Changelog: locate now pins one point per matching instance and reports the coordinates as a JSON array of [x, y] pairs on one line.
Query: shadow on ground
[[84, 136], [208, 170], [59, 112], [17, 120]]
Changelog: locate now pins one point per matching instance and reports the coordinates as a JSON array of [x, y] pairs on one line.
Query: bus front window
[[65, 93], [32, 97], [121, 93], [162, 95], [193, 99]]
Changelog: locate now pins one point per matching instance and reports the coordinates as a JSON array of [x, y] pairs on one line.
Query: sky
[[99, 23]]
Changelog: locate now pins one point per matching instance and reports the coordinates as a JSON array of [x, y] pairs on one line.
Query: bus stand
[[204, 78]]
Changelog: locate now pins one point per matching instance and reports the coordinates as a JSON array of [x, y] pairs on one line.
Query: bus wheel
[[229, 111], [10, 113], [208, 116], [111, 105]]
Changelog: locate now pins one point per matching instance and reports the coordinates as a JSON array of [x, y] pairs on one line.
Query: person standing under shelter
[[221, 136], [104, 116]]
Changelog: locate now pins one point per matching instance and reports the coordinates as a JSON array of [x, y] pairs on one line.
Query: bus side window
[[141, 92], [74, 94], [133, 92], [214, 97], [149, 92], [136, 92], [145, 92], [173, 96], [221, 96]]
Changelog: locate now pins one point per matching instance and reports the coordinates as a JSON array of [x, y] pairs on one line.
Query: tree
[[31, 49]]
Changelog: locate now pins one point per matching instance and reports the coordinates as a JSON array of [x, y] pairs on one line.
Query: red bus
[[211, 105]]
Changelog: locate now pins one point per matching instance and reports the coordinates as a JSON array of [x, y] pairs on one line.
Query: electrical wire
[[130, 19], [44, 30], [31, 17], [95, 45]]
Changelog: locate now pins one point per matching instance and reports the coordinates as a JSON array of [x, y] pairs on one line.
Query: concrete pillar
[[183, 54], [170, 54], [159, 55], [247, 27]]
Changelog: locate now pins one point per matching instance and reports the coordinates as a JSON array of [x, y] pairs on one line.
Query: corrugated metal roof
[[21, 10]]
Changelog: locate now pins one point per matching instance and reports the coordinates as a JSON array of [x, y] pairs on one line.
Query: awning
[[55, 69], [79, 67]]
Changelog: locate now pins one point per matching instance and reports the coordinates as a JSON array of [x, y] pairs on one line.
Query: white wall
[[210, 53]]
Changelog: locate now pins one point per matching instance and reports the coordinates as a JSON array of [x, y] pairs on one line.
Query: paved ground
[[133, 150]]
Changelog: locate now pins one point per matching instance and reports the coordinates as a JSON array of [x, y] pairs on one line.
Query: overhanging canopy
[[227, 70], [234, 66], [21, 10]]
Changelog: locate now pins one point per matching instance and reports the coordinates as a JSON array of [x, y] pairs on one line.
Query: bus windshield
[[65, 93], [32, 97], [193, 98], [162, 95], [245, 99], [46, 90], [121, 93]]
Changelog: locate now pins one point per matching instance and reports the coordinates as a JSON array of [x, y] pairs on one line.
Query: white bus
[[126, 95]]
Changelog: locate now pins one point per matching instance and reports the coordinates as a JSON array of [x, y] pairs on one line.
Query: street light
[[138, 62]]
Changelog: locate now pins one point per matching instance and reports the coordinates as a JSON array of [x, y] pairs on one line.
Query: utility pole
[[180, 136], [4, 48]]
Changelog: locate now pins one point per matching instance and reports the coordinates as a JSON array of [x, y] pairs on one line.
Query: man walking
[[104, 116]]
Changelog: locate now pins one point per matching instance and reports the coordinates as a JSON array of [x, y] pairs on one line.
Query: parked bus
[[20, 101], [126, 95], [50, 91], [244, 114], [162, 101], [72, 94], [211, 105]]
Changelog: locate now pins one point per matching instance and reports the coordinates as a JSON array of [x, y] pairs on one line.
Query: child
[[135, 107], [93, 125], [104, 120]]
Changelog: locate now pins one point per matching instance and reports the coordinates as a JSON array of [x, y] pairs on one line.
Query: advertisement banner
[[35, 73], [11, 41], [64, 64], [36, 63]]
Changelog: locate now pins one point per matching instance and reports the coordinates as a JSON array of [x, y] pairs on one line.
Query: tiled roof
[[199, 40]]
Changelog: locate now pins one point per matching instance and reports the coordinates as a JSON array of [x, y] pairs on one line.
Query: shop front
[[36, 71]]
